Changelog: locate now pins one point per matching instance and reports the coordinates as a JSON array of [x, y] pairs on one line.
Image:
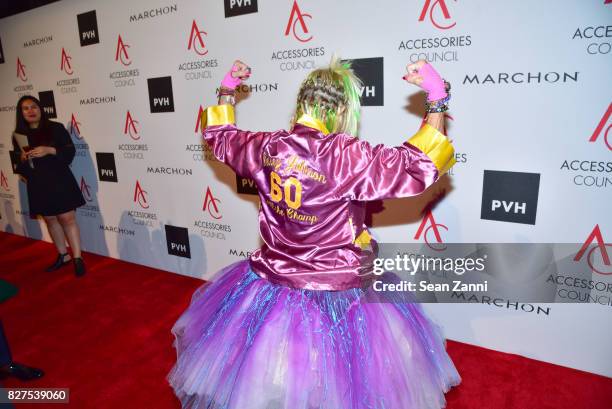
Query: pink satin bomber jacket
[[313, 186]]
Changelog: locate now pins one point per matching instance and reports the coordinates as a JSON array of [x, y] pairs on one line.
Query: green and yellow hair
[[332, 95]]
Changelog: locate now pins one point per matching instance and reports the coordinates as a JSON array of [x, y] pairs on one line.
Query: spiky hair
[[331, 95]]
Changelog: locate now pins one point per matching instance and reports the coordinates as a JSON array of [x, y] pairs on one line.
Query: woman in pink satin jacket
[[293, 327], [314, 180]]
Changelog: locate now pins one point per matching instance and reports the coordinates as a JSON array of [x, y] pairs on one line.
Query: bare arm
[[226, 92], [436, 119], [431, 138], [239, 149], [413, 76], [226, 99]]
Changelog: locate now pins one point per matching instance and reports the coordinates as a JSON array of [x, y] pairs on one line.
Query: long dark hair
[[21, 126]]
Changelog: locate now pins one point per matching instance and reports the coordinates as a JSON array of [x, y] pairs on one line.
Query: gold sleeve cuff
[[363, 240], [436, 146], [218, 115]]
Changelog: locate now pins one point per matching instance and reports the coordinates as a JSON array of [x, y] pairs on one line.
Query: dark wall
[[10, 7]]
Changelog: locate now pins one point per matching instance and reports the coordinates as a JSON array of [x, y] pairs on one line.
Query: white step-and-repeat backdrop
[[530, 109]]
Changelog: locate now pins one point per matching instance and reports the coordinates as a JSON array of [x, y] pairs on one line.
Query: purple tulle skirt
[[246, 343]]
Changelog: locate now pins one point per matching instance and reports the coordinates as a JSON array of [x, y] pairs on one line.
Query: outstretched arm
[[423, 75], [241, 150], [234, 77]]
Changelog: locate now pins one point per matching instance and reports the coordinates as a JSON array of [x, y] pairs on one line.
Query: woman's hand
[[413, 76], [23, 157], [238, 73], [423, 74], [234, 77], [241, 70], [41, 151]]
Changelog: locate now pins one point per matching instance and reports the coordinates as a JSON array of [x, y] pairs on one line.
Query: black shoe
[[21, 372], [79, 267], [59, 263]]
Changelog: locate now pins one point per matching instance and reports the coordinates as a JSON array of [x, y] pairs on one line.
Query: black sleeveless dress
[[51, 186]]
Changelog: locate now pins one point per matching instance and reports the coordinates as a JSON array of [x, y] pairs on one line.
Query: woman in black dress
[[52, 189]]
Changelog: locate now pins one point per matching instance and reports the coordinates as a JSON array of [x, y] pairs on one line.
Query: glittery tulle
[[246, 343]]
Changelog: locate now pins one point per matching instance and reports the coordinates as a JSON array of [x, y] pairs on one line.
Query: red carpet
[[106, 336]]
